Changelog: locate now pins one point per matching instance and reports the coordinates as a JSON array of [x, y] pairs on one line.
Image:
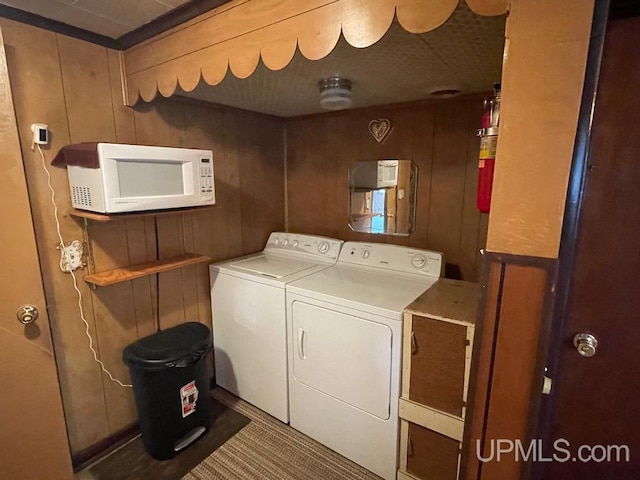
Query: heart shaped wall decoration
[[380, 129]]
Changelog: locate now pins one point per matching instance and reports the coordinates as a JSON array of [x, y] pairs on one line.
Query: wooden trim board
[[404, 444], [442, 423], [239, 34], [407, 351]]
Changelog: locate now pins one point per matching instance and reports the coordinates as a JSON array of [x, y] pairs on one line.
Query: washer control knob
[[365, 254], [294, 243], [323, 247], [418, 261], [277, 241], [286, 242]]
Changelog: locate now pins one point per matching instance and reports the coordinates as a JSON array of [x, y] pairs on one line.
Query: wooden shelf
[[370, 189], [449, 300], [142, 270], [366, 215], [103, 217]]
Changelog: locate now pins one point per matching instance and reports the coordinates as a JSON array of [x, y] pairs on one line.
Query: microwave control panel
[[206, 178]]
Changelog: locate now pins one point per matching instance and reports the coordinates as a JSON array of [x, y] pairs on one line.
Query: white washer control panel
[[393, 257], [307, 244]]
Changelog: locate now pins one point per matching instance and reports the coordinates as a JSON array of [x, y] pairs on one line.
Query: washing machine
[[249, 316], [345, 328]]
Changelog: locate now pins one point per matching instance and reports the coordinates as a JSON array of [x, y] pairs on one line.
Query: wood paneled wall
[[438, 136], [75, 88], [542, 79]]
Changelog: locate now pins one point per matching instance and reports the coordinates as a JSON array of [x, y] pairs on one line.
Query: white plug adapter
[[40, 134], [71, 256]]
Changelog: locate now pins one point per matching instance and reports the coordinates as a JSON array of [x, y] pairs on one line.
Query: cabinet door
[[438, 360], [430, 455]]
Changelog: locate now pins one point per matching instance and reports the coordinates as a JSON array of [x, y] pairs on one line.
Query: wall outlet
[[71, 256]]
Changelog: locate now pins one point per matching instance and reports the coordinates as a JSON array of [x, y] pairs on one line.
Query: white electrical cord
[[73, 275]]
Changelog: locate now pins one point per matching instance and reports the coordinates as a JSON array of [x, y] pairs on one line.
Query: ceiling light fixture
[[445, 92], [335, 93]]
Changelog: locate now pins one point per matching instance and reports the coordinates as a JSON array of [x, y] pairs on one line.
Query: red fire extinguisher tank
[[488, 143]]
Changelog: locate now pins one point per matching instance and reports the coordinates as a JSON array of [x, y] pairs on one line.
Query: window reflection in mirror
[[382, 197]]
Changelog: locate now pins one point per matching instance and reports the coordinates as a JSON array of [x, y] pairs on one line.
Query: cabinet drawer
[[438, 361], [429, 455]]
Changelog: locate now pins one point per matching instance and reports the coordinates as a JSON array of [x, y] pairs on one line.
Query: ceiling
[[464, 53], [111, 18]]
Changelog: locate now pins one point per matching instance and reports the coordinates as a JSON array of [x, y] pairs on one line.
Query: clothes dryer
[[345, 339]]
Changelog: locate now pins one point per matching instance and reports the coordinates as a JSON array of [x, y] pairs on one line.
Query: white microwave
[[131, 178], [387, 173], [375, 174]]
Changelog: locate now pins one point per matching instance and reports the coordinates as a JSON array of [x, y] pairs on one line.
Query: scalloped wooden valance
[[237, 34]]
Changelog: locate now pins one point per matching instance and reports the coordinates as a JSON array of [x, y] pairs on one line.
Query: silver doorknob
[[586, 344], [27, 314]]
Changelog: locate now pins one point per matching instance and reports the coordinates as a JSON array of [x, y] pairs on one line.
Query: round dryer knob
[[286, 242], [323, 247], [277, 241], [418, 261], [294, 243]]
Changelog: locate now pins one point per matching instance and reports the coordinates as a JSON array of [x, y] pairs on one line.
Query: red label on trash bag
[[189, 397]]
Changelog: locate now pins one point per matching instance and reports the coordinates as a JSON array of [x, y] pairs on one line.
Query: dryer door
[[343, 356]]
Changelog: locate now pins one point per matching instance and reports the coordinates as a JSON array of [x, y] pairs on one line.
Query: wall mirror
[[382, 197]]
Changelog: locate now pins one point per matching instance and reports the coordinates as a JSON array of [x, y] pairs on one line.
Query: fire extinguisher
[[488, 143]]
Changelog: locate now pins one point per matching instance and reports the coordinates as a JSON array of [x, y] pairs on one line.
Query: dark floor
[[131, 462]]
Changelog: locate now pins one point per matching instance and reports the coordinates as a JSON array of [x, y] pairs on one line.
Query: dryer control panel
[[393, 257], [312, 245]]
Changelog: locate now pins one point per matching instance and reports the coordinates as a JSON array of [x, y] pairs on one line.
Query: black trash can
[[170, 376]]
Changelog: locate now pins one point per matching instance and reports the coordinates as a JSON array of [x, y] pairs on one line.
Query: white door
[[345, 380], [343, 356]]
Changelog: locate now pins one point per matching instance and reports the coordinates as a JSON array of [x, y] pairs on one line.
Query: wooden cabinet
[[437, 344]]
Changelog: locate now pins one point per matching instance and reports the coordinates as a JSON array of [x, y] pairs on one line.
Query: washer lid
[[272, 266]]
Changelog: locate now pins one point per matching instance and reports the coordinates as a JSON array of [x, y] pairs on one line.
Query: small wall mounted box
[[40, 133]]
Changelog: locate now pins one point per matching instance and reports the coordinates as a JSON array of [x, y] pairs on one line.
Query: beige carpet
[[268, 449]]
